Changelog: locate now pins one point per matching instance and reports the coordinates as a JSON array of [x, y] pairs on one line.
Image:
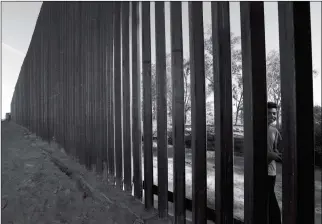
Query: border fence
[[75, 87]]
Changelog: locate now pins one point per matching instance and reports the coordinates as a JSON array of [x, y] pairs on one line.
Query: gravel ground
[[34, 190], [42, 184], [238, 181]]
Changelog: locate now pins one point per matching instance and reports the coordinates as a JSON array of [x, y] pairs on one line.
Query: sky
[[19, 19], [18, 24]]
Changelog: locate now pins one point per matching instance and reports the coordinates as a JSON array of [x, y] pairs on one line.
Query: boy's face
[[271, 115]]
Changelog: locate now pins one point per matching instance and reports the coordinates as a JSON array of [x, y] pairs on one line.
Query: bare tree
[[236, 70], [187, 90], [187, 96], [274, 81]]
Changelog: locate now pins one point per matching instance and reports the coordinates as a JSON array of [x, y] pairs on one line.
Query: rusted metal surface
[[136, 104], [101, 122], [179, 188], [63, 74], [108, 60], [198, 114], [71, 79], [88, 78], [255, 111], [223, 121], [60, 75], [126, 128], [147, 105], [178, 112], [79, 88], [45, 73], [117, 95], [96, 72], [161, 83], [75, 88], [296, 60]]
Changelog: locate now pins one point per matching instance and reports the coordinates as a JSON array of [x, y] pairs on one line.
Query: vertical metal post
[[71, 78], [298, 133], [25, 87], [110, 91], [64, 69], [101, 75], [44, 72], [147, 105], [126, 97], [95, 88], [83, 100], [136, 104], [78, 82], [50, 68], [255, 111], [33, 88], [47, 73], [102, 121], [67, 98], [88, 79], [29, 118], [179, 188], [198, 114], [90, 76], [117, 94], [55, 54], [40, 74], [60, 77], [223, 106], [161, 80], [101, 82], [23, 90]]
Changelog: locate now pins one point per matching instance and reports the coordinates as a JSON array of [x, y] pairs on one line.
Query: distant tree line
[[273, 86]]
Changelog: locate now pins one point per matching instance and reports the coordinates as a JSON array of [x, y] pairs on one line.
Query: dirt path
[[238, 181], [41, 184], [34, 190]]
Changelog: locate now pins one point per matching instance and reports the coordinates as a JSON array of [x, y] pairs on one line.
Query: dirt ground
[[238, 181], [35, 190]]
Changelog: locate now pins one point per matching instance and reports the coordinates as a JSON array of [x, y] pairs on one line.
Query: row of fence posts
[[75, 87]]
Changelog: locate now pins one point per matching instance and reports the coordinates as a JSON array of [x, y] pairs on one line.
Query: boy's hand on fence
[[279, 157], [274, 156]]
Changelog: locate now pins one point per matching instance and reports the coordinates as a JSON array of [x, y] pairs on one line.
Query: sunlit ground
[[238, 182]]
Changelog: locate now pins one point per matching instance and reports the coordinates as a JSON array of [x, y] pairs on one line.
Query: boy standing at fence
[[273, 156]]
